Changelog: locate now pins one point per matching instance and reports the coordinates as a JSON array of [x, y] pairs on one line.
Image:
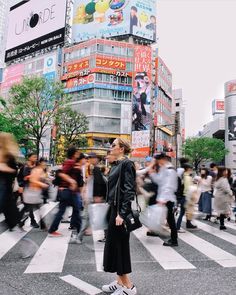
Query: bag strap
[[117, 191]]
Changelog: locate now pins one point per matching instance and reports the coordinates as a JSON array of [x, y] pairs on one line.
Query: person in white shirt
[[205, 201], [167, 182]]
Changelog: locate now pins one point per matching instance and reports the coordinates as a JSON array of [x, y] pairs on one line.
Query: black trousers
[[171, 221]]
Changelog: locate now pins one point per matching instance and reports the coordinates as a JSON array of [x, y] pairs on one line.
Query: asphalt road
[[204, 262]]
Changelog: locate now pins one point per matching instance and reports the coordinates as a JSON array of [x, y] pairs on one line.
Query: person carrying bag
[[117, 250]]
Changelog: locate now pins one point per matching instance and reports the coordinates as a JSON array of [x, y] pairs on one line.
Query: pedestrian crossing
[[52, 252]]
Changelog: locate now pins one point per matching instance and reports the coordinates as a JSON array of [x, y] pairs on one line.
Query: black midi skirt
[[117, 250]]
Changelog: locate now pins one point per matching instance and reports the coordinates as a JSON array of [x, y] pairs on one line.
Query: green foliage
[[34, 104], [203, 149], [71, 127]]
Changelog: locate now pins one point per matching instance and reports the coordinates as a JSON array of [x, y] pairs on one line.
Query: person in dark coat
[[8, 171], [99, 184], [117, 250]]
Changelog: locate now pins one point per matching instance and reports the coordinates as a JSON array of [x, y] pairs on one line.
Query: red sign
[[141, 152], [12, 75], [79, 66], [110, 63], [71, 83], [220, 105]]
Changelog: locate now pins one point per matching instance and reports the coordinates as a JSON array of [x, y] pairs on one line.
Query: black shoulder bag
[[131, 221]]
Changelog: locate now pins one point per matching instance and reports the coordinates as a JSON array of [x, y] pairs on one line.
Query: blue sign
[[100, 86]]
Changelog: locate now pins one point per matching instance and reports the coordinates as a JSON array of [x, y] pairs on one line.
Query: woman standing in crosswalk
[[117, 250], [223, 195], [205, 185]]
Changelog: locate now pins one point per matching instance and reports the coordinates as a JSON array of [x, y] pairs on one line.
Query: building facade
[[230, 124], [178, 111], [99, 76], [163, 110]]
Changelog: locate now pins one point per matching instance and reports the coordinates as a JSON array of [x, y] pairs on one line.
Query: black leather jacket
[[127, 186]]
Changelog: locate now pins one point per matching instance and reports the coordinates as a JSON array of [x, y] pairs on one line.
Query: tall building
[[99, 74], [4, 6], [163, 110]]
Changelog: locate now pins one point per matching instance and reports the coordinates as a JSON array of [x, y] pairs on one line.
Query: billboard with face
[[232, 128], [34, 25], [110, 18], [141, 113]]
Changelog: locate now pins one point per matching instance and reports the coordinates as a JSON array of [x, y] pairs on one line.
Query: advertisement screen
[[109, 18], [35, 25], [232, 128], [141, 114]]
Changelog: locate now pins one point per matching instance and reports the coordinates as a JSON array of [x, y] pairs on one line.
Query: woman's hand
[[119, 220]]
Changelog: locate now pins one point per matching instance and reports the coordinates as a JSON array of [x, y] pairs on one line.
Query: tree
[[34, 104], [203, 149], [70, 127]]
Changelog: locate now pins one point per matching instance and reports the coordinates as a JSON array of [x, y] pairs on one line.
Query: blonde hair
[[123, 143], [8, 145]]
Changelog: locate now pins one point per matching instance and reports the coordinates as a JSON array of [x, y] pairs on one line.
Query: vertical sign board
[[141, 115]]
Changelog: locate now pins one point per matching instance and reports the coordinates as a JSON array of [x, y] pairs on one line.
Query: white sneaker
[[127, 291], [113, 288], [75, 239], [181, 230]]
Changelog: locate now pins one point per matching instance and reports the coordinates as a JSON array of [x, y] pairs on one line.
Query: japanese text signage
[[34, 25], [110, 63], [141, 117]]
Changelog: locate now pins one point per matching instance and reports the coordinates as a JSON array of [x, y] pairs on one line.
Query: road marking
[[98, 249], [79, 284], [9, 239], [216, 232], [230, 225], [51, 254], [167, 257], [220, 256]]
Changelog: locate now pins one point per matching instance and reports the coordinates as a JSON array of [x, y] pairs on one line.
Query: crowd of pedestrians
[[85, 179]]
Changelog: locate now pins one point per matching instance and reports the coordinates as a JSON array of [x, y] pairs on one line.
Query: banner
[[141, 115], [113, 18]]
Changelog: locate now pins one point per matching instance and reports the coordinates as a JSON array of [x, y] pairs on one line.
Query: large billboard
[[142, 89], [110, 18], [34, 25], [218, 106]]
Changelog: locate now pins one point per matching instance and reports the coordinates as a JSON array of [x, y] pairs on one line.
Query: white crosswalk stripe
[[51, 254], [167, 257], [9, 239], [220, 256], [216, 232]]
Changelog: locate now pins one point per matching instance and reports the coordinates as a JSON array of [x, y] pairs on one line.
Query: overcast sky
[[197, 41]]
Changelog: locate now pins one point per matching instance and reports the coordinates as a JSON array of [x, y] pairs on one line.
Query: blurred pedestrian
[[167, 182], [8, 171], [117, 251], [23, 180], [223, 196], [33, 193], [205, 185], [187, 183], [67, 193]]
